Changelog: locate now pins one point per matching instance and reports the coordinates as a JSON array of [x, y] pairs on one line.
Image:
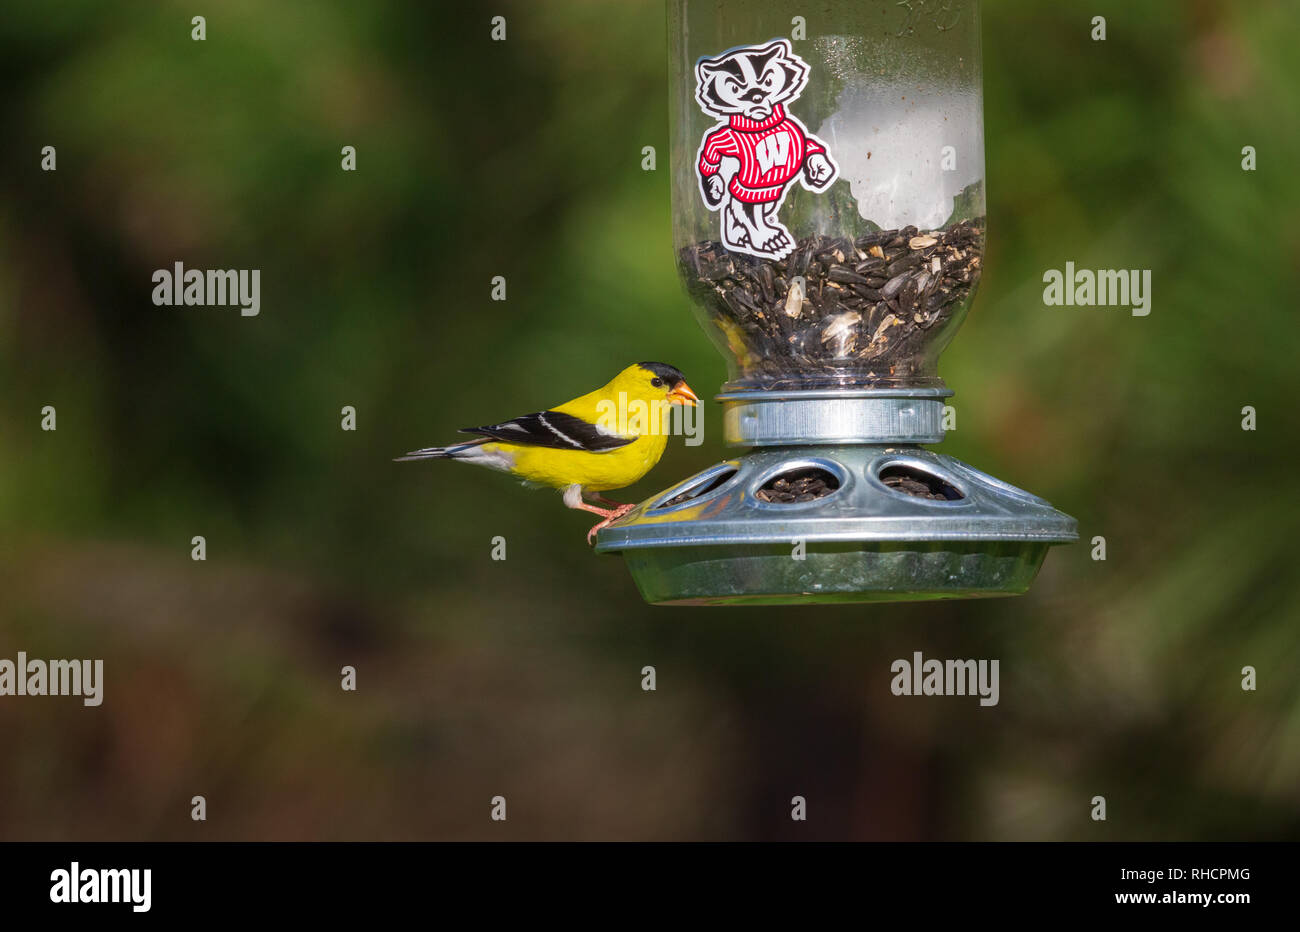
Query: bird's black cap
[[670, 374]]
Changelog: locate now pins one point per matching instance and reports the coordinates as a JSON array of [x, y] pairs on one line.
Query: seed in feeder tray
[[918, 484], [804, 485], [910, 486], [863, 306]]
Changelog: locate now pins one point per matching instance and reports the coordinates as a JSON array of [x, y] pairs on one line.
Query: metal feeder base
[[711, 541]]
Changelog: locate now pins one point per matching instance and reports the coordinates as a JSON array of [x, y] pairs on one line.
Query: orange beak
[[682, 395]]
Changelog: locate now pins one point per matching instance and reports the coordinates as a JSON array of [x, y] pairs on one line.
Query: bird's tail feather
[[428, 453], [439, 453]]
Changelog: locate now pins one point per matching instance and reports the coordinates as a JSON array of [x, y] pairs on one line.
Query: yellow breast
[[596, 472]]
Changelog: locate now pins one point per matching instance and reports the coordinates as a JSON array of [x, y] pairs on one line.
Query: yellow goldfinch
[[606, 439]]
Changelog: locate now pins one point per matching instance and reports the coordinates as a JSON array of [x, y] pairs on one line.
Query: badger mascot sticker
[[748, 161]]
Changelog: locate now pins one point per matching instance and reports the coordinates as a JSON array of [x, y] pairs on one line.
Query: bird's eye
[[657, 382]]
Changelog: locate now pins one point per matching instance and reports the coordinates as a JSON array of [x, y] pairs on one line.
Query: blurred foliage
[[1119, 678]]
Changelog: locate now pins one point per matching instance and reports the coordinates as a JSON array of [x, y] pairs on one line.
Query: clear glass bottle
[[828, 184]]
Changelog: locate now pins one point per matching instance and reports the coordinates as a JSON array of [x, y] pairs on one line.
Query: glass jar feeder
[[829, 224]]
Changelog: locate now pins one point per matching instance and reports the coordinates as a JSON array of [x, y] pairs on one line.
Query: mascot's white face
[[750, 81]]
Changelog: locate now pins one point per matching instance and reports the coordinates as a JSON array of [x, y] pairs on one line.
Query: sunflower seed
[[794, 300]]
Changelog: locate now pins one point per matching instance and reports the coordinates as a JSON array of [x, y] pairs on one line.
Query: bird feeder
[[829, 224]]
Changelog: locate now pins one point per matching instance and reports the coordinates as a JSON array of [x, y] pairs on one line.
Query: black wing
[[551, 429]]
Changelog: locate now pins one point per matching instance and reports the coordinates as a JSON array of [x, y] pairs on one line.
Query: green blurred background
[[522, 678]]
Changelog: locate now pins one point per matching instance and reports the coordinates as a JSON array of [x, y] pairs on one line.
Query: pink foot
[[613, 515]]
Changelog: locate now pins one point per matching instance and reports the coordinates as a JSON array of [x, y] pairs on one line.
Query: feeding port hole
[[918, 483], [798, 485], [698, 490]]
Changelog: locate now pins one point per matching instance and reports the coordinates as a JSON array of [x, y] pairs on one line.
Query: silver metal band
[[789, 418]]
